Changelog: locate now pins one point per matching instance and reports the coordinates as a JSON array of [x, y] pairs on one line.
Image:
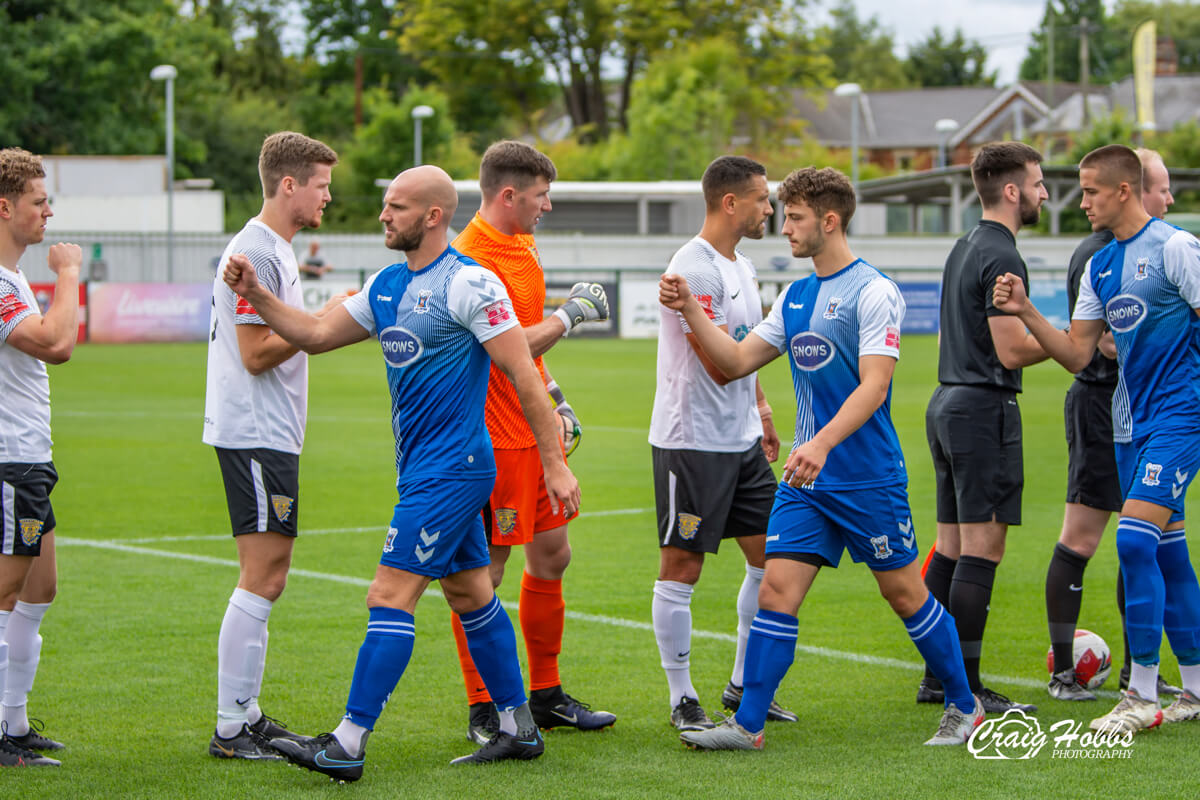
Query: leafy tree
[[954, 61], [1178, 23], [1063, 18], [594, 49], [862, 51]]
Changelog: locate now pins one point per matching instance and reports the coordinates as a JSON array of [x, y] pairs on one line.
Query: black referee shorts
[[1091, 461], [974, 435], [702, 498]]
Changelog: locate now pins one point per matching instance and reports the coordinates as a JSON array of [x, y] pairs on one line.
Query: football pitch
[[146, 567]]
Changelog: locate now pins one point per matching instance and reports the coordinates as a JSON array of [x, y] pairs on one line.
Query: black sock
[[1121, 608], [1064, 595], [970, 596], [938, 575]]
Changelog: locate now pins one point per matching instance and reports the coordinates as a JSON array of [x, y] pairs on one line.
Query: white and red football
[[1093, 659]]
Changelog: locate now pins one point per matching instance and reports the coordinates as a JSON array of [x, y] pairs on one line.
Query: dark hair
[[728, 174], [290, 154], [1115, 164], [822, 190], [998, 164], [17, 168], [515, 164]]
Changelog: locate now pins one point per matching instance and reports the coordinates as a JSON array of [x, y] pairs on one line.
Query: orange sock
[[541, 611], [476, 690]]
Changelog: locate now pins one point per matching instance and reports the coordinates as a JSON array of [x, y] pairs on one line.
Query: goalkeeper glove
[[570, 438], [587, 302]]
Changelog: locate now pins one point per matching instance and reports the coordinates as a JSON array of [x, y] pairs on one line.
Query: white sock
[[4, 616], [747, 607], [24, 653], [508, 720], [671, 612], [240, 658], [1144, 680], [1190, 677], [351, 737]]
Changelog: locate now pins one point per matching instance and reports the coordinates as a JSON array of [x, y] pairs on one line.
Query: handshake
[[587, 302]]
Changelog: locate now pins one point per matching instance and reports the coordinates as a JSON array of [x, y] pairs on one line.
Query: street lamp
[[946, 127], [419, 113], [853, 91], [166, 72]]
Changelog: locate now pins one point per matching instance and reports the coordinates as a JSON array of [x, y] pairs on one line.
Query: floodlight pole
[[168, 73]]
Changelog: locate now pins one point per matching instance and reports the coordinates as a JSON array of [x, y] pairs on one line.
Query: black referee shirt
[[1101, 370], [966, 354]]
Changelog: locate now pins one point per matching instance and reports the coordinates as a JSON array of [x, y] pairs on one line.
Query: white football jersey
[[691, 412], [24, 384], [241, 410]]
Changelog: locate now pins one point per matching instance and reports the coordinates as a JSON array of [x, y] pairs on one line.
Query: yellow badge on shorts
[[689, 524], [31, 531], [506, 520], [282, 505]]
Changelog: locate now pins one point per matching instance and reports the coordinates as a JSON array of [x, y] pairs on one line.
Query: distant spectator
[[314, 266]]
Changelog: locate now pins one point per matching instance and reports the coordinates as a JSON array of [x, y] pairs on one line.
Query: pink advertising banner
[[149, 312]]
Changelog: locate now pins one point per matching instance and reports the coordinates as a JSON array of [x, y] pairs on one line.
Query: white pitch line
[[220, 537], [618, 622]]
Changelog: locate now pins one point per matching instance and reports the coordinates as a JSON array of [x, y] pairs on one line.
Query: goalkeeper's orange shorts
[[519, 506]]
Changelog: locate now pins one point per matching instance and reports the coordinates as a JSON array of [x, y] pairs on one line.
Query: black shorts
[[262, 489], [974, 435], [702, 497], [25, 510], [1091, 461]]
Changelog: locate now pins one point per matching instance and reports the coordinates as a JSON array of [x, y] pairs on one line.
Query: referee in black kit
[[973, 423]]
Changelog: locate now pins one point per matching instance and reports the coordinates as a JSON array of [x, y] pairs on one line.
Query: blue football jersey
[[430, 326], [1146, 288], [825, 325]]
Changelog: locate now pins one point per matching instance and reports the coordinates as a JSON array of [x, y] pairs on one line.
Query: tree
[[1062, 17], [594, 49], [939, 61], [862, 51], [1178, 25]]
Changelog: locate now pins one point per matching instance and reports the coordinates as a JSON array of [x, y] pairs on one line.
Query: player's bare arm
[[714, 372], [735, 359], [805, 462], [1072, 349], [51, 338], [312, 333], [262, 349], [770, 440], [510, 352]]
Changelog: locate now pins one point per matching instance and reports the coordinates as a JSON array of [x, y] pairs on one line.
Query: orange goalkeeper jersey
[[515, 261]]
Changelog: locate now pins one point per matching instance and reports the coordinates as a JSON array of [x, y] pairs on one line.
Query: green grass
[[146, 568]]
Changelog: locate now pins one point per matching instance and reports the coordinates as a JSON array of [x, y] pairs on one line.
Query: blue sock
[[769, 652], [933, 631], [381, 661], [1181, 606], [493, 647], [1137, 545]]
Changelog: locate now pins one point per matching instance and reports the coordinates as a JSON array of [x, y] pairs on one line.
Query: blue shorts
[[1159, 468], [437, 529], [874, 524]]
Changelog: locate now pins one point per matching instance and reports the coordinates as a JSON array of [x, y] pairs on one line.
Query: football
[[1093, 659]]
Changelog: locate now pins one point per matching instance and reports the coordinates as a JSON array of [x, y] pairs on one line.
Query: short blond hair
[[290, 154], [17, 168]]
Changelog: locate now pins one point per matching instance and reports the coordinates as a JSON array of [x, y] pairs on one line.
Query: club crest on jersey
[[689, 526], [1143, 264], [811, 351], [831, 308], [506, 520], [400, 347], [389, 544], [31, 531], [882, 550], [1125, 312], [1152, 473], [422, 306], [282, 505]]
